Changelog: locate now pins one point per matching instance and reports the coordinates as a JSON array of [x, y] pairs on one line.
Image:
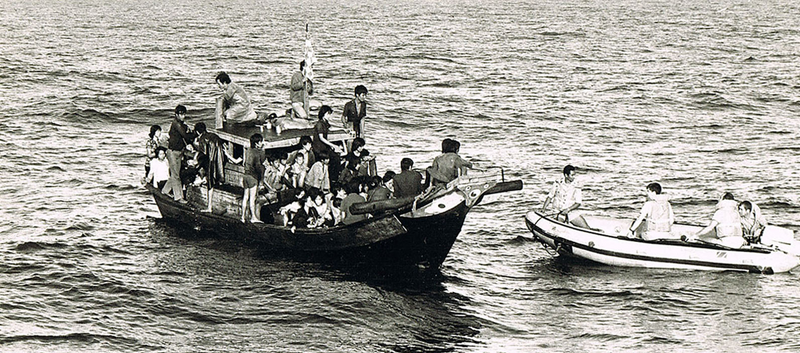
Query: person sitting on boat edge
[[727, 224], [656, 215], [355, 111], [408, 182], [353, 189], [449, 165], [253, 173], [234, 105], [566, 197], [180, 138], [753, 222], [158, 173]]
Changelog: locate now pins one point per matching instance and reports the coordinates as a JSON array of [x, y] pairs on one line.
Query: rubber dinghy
[[778, 251]]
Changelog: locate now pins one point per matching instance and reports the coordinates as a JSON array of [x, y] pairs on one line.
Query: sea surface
[[701, 96]]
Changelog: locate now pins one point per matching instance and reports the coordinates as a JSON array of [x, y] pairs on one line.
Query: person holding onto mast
[[300, 87]]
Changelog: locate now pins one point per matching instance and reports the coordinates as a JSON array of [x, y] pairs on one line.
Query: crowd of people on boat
[[312, 185], [734, 223]]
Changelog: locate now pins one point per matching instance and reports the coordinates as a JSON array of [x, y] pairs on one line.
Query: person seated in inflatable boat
[[656, 215], [566, 197], [727, 224], [753, 222]]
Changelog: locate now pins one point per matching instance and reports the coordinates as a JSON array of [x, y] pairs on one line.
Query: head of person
[[449, 146], [745, 208], [255, 140], [305, 142], [283, 157], [569, 173], [406, 164], [223, 80], [324, 111], [300, 159], [353, 186], [365, 156], [180, 112], [387, 177], [655, 188], [338, 191], [358, 144], [200, 128], [155, 131], [361, 92], [324, 157], [161, 152], [316, 196], [727, 196]]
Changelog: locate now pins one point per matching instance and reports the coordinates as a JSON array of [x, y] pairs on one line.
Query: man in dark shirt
[[408, 182], [356, 110], [179, 137]]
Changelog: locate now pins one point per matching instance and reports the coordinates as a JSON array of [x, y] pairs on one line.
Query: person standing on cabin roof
[[253, 173], [566, 197], [656, 214], [408, 182], [300, 87], [179, 138], [726, 222], [234, 105], [449, 165], [322, 144], [355, 111]]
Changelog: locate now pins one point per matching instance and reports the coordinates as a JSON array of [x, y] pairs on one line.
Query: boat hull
[[610, 247]]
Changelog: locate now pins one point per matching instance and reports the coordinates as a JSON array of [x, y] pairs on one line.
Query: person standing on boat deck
[[234, 104], [253, 173], [726, 222], [321, 144], [179, 138], [408, 182], [153, 142], [566, 197], [753, 222], [318, 175], [158, 173], [211, 157], [449, 165], [300, 88], [656, 214], [355, 111]]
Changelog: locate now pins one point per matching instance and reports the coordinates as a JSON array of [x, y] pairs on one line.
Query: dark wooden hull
[[406, 241]]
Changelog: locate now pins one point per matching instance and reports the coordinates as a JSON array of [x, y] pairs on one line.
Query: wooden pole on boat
[[306, 72]]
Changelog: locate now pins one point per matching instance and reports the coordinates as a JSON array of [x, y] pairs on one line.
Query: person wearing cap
[[355, 111], [179, 138]]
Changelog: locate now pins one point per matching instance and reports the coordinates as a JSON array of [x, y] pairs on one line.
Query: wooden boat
[[407, 233], [778, 251]]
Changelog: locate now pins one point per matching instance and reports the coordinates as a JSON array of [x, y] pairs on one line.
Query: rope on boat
[[544, 245]]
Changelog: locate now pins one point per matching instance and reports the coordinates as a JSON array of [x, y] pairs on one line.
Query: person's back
[[659, 219], [727, 216], [353, 197], [407, 183]]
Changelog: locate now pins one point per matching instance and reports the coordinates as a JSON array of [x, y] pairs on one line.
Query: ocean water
[[699, 96]]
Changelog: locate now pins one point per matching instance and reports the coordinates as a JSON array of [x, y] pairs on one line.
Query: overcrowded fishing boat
[[607, 242]]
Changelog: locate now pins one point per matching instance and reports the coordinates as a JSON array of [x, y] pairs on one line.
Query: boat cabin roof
[[240, 135]]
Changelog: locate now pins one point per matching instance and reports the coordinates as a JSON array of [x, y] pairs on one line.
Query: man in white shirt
[[566, 197]]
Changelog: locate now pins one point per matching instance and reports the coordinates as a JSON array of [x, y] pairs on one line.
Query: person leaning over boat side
[[253, 173], [321, 144], [726, 222], [299, 89], [408, 182], [656, 214], [566, 197], [355, 111], [753, 222], [318, 176], [211, 158], [180, 138], [153, 142], [233, 106], [353, 196], [158, 172], [449, 165]]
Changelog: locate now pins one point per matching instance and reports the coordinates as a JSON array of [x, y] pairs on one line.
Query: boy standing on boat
[[179, 138], [566, 197], [656, 214], [355, 111]]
